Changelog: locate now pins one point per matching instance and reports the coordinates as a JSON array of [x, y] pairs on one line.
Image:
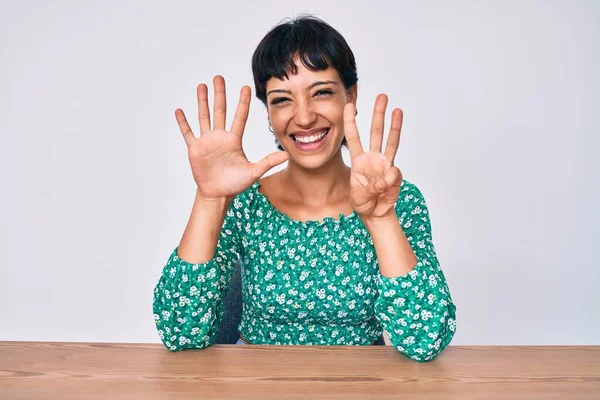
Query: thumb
[[376, 187], [380, 186], [272, 160]]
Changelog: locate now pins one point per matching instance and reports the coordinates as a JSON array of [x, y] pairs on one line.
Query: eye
[[323, 92], [279, 100]]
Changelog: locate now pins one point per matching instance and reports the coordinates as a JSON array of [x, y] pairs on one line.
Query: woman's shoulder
[[409, 198], [409, 188], [247, 198], [252, 198]]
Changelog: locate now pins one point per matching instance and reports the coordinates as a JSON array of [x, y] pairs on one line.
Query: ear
[[352, 93]]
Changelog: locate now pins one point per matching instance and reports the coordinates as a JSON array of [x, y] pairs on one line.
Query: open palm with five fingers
[[219, 165], [374, 180]]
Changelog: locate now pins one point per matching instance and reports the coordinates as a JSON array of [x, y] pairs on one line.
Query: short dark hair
[[314, 41]]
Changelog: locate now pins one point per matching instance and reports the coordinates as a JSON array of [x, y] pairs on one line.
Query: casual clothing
[[312, 283]]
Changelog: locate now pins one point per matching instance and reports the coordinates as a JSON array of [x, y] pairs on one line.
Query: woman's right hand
[[219, 165]]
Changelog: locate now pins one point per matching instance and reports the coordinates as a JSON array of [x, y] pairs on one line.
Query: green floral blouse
[[311, 283]]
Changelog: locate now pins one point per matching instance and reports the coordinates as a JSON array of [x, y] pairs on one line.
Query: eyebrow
[[317, 83]]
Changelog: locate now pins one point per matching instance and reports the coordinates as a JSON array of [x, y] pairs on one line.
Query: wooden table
[[45, 370]]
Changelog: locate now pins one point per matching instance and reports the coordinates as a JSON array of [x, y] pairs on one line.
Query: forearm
[[394, 253], [201, 234]]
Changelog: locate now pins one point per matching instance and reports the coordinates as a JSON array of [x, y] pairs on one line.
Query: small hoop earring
[[271, 128], [356, 113]]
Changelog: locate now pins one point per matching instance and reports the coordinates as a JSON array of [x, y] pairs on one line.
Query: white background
[[499, 101]]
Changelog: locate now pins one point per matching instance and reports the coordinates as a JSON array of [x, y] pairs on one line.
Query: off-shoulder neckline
[[342, 218]]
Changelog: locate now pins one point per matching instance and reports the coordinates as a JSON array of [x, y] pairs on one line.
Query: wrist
[[373, 222], [380, 224], [215, 202], [212, 210]]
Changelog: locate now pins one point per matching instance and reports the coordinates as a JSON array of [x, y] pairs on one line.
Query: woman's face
[[306, 113]]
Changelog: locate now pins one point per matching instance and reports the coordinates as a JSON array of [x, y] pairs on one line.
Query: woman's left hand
[[374, 180]]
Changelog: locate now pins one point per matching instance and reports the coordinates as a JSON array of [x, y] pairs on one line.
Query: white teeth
[[311, 139]]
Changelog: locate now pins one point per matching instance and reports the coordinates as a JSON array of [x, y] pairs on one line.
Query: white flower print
[[310, 283]]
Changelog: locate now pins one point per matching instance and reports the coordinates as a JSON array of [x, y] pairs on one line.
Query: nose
[[305, 115]]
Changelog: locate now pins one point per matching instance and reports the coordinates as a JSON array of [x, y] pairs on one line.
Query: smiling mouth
[[317, 137]]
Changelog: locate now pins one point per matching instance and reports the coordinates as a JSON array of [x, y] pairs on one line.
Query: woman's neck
[[318, 187]]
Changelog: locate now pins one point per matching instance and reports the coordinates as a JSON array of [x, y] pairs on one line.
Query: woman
[[308, 278]]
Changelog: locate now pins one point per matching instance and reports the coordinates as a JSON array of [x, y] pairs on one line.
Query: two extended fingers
[[377, 127]]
